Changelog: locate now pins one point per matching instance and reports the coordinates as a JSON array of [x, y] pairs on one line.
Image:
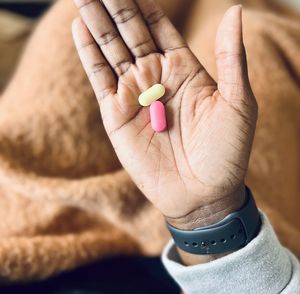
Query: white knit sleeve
[[264, 266]]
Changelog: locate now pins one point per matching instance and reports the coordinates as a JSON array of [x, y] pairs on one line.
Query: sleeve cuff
[[263, 266]]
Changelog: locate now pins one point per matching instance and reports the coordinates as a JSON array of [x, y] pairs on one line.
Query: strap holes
[[213, 242], [186, 244], [195, 244], [204, 244], [233, 236], [223, 240]]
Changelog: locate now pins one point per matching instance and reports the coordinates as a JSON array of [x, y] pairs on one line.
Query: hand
[[195, 169]]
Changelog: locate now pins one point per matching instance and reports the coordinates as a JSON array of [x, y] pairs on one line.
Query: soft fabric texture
[[14, 31], [264, 266], [65, 201]]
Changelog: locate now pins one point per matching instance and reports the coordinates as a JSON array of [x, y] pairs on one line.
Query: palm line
[[135, 114]]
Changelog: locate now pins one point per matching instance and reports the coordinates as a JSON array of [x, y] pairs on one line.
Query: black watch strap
[[233, 232]]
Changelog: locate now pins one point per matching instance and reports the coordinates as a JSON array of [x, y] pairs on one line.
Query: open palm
[[126, 47]]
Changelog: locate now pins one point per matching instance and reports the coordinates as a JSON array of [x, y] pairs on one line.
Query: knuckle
[[125, 14]]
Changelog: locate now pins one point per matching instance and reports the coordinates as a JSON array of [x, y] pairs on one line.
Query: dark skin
[[193, 172]]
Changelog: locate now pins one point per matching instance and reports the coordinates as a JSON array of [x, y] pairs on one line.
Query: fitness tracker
[[231, 233]]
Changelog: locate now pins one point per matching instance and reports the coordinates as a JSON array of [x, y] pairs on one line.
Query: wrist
[[207, 215], [212, 212]]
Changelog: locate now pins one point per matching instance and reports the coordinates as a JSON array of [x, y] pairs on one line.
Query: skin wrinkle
[[175, 161], [112, 133], [139, 132], [139, 46], [183, 219], [170, 49], [96, 68], [178, 90], [180, 129], [121, 17], [159, 174], [119, 67], [221, 55], [139, 59], [159, 149], [154, 17], [117, 105], [105, 94], [106, 38], [84, 46], [83, 3], [125, 14], [204, 96], [128, 86], [150, 142], [241, 113]]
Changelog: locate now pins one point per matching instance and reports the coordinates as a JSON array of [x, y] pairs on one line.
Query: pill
[[152, 94], [158, 116]]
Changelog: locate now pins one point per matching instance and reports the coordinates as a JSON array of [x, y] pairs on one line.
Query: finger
[[131, 26], [231, 55], [165, 35], [105, 34], [99, 72]]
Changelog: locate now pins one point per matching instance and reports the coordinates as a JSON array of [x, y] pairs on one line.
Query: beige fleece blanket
[[65, 201]]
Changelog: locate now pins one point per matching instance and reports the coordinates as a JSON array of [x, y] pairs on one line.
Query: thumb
[[231, 56]]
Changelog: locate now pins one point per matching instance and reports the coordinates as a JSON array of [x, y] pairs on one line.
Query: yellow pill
[[152, 94]]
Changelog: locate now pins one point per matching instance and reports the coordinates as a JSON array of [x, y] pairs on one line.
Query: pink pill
[[158, 116]]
